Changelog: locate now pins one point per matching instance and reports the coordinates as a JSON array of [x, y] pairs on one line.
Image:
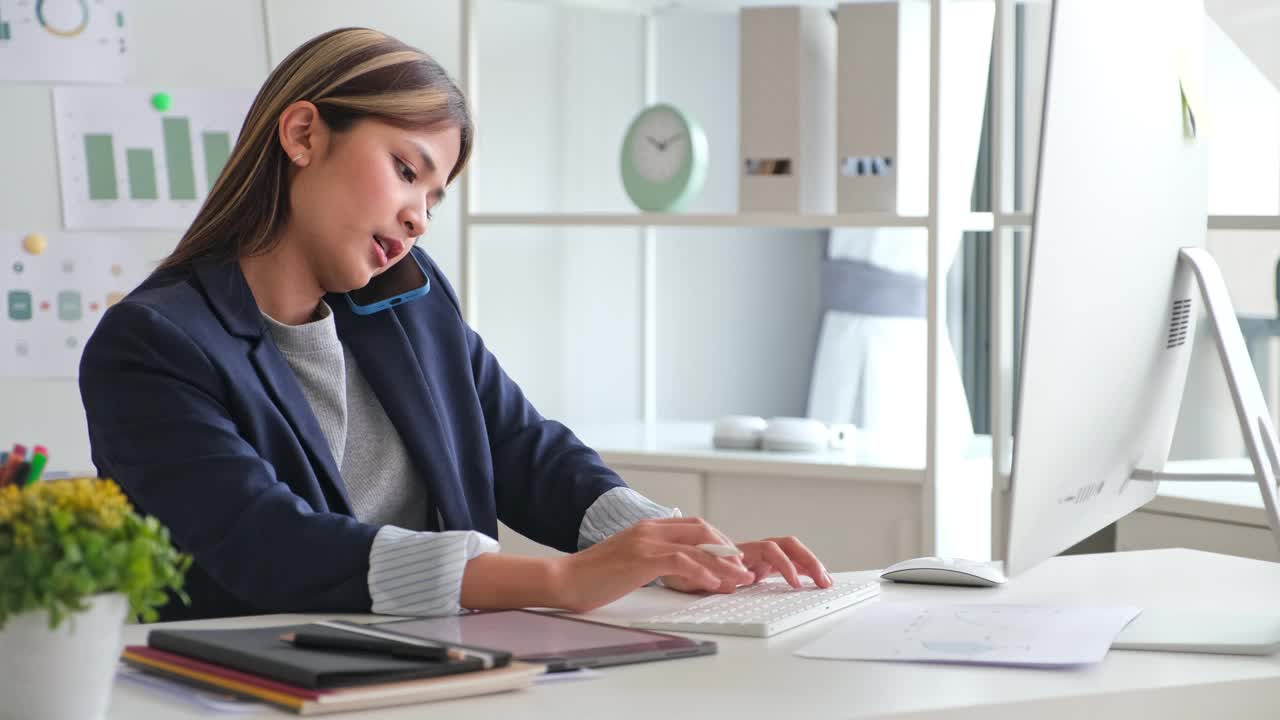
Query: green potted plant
[[75, 562]]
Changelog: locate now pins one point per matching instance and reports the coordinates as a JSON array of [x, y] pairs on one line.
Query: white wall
[[737, 310], [1252, 25], [171, 44], [560, 307], [429, 25]]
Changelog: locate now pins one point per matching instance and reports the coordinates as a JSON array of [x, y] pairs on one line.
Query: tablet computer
[[559, 642]]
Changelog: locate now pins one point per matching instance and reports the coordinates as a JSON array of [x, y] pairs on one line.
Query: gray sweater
[[410, 572], [370, 454]]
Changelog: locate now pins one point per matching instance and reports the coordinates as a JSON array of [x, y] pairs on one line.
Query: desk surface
[[754, 677]]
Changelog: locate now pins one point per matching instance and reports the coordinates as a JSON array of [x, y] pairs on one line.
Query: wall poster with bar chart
[[54, 288], [125, 163], [63, 41]]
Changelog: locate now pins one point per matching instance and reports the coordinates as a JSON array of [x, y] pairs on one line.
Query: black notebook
[[260, 651]]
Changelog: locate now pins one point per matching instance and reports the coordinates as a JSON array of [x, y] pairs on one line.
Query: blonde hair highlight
[[349, 74]]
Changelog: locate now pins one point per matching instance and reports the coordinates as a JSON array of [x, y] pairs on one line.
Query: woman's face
[[362, 198]]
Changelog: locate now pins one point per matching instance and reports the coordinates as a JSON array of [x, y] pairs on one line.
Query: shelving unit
[[972, 222], [938, 222], [1244, 222], [944, 220]]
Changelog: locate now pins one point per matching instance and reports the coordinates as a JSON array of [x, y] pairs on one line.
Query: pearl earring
[[294, 159]]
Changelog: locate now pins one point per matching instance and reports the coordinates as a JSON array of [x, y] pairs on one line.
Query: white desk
[[761, 678]]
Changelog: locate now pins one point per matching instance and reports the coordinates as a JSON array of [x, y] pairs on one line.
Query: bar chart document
[[54, 288], [995, 634], [63, 41], [134, 157]]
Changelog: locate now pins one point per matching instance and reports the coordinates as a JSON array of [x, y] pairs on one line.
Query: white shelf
[[686, 446], [1016, 220], [973, 222], [669, 7], [1244, 222]]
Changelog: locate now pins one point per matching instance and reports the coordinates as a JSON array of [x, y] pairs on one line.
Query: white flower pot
[[62, 674]]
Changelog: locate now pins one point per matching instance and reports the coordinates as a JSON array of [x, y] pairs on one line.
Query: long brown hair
[[349, 74]]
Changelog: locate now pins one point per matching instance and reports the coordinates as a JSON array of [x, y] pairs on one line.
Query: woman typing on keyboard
[[322, 439]]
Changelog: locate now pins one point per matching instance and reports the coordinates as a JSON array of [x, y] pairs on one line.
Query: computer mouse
[[944, 571]]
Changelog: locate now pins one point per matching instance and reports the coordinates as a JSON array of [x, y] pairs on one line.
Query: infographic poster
[[134, 157], [80, 41], [55, 288]]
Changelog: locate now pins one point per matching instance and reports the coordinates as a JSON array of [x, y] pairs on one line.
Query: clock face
[[660, 145], [664, 159]]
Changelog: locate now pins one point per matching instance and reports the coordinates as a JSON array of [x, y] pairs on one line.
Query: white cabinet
[[673, 489], [856, 511], [517, 544], [850, 524], [1145, 530], [1221, 517]]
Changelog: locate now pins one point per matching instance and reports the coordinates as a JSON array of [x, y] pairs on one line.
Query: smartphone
[[400, 283]]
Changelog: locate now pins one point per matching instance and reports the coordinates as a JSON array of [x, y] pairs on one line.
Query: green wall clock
[[664, 159]]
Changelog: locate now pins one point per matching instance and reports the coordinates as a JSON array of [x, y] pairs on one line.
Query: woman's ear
[[302, 133]]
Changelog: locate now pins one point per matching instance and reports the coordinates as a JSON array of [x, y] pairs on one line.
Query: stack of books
[[329, 666]]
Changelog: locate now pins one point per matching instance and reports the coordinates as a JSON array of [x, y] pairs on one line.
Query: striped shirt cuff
[[617, 510], [420, 573]]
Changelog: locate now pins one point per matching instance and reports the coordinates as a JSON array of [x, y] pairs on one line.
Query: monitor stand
[[1206, 632]]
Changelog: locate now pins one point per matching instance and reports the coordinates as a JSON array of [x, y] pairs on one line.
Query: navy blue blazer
[[199, 418]]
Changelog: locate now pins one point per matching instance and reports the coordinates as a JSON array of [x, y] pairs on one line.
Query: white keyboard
[[763, 609]]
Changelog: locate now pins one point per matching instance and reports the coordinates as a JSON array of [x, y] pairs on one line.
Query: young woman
[[312, 459]]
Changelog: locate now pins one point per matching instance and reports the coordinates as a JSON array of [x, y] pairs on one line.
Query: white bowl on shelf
[[738, 432], [794, 434]]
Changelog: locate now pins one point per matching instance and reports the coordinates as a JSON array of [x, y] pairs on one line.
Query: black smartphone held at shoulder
[[400, 283]]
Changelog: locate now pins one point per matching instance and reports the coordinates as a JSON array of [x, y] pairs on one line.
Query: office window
[[1242, 69], [1242, 66]]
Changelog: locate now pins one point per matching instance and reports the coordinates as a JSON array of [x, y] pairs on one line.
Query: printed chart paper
[[63, 41], [126, 163], [996, 634], [54, 298]]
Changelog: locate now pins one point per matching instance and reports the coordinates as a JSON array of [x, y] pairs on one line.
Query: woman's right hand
[[647, 550]]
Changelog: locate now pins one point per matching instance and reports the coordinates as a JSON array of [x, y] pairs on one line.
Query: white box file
[[787, 95], [882, 136], [882, 88]]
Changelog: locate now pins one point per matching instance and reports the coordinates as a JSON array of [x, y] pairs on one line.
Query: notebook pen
[[361, 643], [487, 659]]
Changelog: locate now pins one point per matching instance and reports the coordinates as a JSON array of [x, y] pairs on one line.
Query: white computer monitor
[[1112, 297]]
